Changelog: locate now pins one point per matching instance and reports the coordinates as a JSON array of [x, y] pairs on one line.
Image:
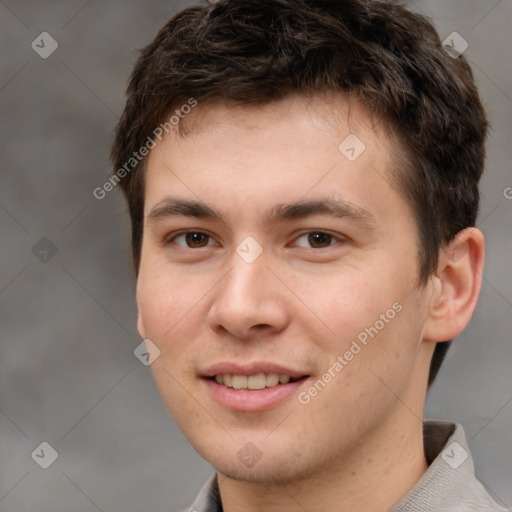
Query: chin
[[279, 468], [261, 473]]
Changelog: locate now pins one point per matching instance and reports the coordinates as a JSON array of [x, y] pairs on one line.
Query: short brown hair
[[256, 51]]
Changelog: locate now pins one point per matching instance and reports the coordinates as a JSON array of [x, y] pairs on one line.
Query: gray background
[[68, 375]]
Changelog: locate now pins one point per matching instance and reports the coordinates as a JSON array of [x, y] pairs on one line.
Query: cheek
[[163, 298], [363, 379], [347, 302], [374, 328], [173, 308], [159, 309]]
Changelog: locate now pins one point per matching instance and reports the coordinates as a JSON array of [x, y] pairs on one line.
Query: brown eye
[[320, 239], [191, 239], [315, 240], [196, 239]]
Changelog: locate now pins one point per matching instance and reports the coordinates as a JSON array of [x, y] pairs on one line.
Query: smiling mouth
[[253, 382]]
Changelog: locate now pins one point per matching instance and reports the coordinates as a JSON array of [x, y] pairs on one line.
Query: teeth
[[272, 380], [240, 381], [258, 381]]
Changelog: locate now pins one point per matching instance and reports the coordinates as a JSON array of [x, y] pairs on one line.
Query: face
[[275, 246]]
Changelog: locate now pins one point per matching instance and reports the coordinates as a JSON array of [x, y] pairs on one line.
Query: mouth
[[255, 387], [254, 382]]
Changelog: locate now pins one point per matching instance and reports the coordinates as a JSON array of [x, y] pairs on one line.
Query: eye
[[191, 239], [198, 239], [316, 240]]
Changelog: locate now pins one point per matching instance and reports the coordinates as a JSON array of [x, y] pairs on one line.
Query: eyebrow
[[172, 207]]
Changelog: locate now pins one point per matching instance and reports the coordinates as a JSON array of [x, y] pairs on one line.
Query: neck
[[375, 475]]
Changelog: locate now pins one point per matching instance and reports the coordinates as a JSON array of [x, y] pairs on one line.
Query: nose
[[249, 301]]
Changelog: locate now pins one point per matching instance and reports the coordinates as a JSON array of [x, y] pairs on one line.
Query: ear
[[456, 286]]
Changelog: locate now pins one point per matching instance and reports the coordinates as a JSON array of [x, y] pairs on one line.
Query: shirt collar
[[448, 483]]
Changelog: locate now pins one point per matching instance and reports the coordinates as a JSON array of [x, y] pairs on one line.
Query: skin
[[300, 303]]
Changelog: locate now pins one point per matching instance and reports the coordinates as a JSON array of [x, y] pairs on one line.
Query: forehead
[[248, 156], [330, 110]]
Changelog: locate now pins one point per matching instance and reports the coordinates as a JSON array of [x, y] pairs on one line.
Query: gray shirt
[[448, 485]]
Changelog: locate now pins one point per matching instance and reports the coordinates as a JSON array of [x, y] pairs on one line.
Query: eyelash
[[309, 232]]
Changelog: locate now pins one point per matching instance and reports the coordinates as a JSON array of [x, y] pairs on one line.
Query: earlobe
[[456, 286]]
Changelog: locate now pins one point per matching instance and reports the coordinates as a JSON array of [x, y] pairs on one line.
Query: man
[[302, 180]]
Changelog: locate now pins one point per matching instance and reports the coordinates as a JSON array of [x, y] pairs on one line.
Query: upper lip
[[250, 369]]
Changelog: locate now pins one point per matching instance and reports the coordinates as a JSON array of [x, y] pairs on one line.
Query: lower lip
[[252, 400]]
